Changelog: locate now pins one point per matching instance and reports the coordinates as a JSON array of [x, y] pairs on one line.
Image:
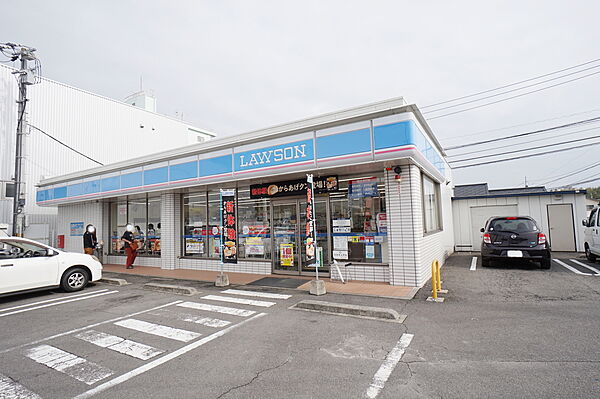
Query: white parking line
[[586, 266], [10, 389], [473, 263], [118, 344], [69, 364], [571, 268], [57, 303], [51, 300], [256, 294], [161, 360], [76, 330], [217, 309], [242, 301], [205, 321], [160, 330], [391, 360]]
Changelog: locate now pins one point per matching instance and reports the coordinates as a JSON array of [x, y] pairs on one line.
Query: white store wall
[[527, 205]]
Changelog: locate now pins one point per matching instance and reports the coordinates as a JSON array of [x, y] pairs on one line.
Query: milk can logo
[[284, 154]]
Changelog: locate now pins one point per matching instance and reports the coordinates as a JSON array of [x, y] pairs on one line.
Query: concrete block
[[222, 280], [317, 287], [370, 312], [175, 289], [113, 281], [438, 299]]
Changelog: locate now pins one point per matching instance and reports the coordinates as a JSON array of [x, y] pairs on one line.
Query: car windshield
[[513, 225], [19, 249]]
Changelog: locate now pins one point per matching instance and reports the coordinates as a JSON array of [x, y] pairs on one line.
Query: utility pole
[[25, 77]]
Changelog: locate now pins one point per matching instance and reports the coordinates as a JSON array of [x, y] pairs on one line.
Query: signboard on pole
[[228, 230]]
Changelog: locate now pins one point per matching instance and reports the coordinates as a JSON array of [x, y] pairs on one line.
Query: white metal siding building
[[102, 128], [388, 227]]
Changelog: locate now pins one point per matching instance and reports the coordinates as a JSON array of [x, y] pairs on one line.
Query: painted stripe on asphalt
[[473, 263], [160, 330], [586, 266], [57, 303], [256, 294], [10, 389], [391, 360], [69, 364], [242, 301], [217, 309], [118, 344], [205, 321], [571, 268], [51, 300], [161, 360], [76, 330]]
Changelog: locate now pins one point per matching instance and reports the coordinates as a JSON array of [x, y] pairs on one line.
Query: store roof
[[481, 190]]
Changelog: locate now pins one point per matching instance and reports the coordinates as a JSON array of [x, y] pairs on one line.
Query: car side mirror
[[482, 230], [51, 252], [584, 222]]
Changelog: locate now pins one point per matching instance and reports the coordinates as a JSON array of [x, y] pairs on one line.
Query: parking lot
[[503, 331]]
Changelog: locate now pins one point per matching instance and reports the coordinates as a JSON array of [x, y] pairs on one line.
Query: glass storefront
[[144, 214]]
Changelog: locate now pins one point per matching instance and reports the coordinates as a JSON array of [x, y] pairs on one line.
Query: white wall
[[530, 205], [88, 213]]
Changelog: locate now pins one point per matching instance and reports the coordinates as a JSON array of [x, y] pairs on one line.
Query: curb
[[113, 281], [369, 312], [175, 289]]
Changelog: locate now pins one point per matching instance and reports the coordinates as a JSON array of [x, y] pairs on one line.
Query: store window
[[431, 205], [195, 234], [254, 221], [359, 221], [214, 223], [144, 214]]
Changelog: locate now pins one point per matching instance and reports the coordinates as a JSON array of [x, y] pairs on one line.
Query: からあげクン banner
[[310, 219], [228, 232]]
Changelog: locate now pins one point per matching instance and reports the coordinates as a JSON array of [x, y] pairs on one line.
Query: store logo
[[273, 155]]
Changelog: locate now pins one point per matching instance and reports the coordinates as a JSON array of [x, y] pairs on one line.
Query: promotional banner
[[293, 187], [228, 231], [286, 255], [310, 219]]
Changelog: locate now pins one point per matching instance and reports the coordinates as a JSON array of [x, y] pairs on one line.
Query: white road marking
[[256, 294], [57, 303], [51, 300], [10, 389], [69, 364], [217, 309], [160, 330], [389, 364], [571, 268], [586, 266], [205, 321], [473, 263], [161, 360], [118, 344], [242, 301], [76, 330]]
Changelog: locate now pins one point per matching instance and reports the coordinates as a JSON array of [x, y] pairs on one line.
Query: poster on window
[[370, 251], [76, 229], [194, 246], [310, 234], [254, 246], [363, 188], [382, 222], [228, 233], [286, 255]]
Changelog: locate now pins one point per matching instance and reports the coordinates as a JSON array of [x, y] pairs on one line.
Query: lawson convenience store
[[382, 198]]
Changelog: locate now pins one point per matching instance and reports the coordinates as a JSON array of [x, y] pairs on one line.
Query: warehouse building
[[383, 199]]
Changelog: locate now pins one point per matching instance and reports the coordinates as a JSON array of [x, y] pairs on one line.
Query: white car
[[26, 265], [592, 235]]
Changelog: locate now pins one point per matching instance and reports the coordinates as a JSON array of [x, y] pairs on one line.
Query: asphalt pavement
[[504, 331]]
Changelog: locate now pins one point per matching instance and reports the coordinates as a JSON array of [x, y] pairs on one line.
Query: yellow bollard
[[438, 275], [434, 281]]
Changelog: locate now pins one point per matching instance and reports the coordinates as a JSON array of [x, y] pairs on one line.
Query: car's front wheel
[[74, 279], [588, 254]]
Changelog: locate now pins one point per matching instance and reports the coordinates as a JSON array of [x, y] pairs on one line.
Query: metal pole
[[19, 143]]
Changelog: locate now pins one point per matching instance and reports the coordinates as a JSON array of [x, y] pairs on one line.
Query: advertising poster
[[286, 254], [229, 233], [340, 243], [293, 187], [255, 246], [310, 219], [363, 188], [382, 222], [76, 229], [340, 254], [194, 246], [369, 251]]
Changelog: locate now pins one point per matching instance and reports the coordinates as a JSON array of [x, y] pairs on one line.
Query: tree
[[593, 192]]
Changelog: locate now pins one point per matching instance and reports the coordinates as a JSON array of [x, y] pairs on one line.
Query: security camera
[[397, 170]]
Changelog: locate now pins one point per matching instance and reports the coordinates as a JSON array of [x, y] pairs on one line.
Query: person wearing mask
[[89, 239], [130, 246]]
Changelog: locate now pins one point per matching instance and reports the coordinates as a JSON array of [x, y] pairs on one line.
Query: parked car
[[592, 235], [514, 237], [26, 265]]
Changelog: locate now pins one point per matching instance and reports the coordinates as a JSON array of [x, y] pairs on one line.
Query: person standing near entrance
[[130, 246], [89, 239]]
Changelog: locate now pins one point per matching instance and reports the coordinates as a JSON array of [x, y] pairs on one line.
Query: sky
[[235, 66]]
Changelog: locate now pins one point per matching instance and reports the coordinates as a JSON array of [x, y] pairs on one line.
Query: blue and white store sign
[[272, 157]]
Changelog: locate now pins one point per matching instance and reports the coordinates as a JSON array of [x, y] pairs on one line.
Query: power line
[[560, 177], [515, 96], [512, 90], [511, 84], [526, 156], [576, 123], [595, 177], [525, 149], [66, 145]]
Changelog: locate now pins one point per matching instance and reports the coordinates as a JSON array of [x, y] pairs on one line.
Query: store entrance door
[[289, 222]]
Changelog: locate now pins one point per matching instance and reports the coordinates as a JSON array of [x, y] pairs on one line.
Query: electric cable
[[511, 84], [66, 145], [593, 178], [577, 171]]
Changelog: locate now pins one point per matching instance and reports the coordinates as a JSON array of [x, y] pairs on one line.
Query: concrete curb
[[175, 289], [113, 281], [368, 312]]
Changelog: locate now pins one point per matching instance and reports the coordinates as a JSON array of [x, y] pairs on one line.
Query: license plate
[[514, 254]]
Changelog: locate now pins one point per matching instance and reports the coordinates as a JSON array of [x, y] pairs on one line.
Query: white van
[[592, 235]]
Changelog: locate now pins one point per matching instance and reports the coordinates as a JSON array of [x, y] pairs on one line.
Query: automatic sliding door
[[285, 237]]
